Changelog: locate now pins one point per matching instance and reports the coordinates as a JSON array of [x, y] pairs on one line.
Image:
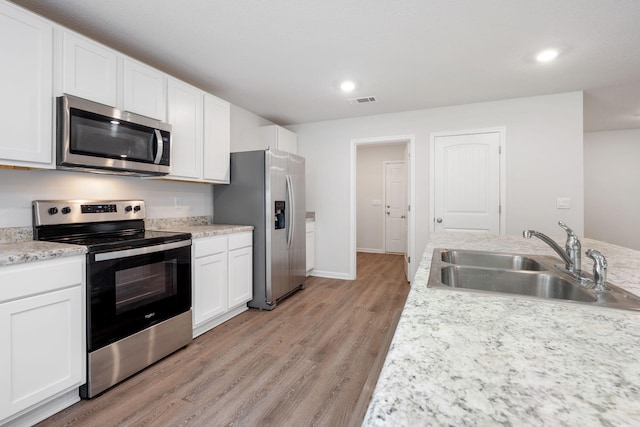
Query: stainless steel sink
[[528, 275], [491, 260], [541, 285]]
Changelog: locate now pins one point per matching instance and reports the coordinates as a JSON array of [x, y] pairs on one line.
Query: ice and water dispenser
[[280, 214]]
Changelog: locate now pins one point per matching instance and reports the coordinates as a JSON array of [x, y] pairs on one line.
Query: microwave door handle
[[160, 147]]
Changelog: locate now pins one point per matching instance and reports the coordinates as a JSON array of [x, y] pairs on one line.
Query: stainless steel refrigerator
[[267, 191]]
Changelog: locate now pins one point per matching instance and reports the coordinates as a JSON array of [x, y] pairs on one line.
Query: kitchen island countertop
[[460, 358]]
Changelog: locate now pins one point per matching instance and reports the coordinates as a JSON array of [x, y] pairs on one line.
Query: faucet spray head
[[527, 234]]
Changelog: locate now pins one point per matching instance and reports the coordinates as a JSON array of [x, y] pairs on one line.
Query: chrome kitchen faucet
[[571, 253]]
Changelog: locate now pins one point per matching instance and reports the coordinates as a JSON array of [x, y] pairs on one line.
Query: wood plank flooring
[[312, 361]]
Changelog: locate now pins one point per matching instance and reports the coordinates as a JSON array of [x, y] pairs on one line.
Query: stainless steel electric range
[[138, 284]]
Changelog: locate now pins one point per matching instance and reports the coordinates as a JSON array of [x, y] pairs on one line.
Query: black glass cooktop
[[121, 240]]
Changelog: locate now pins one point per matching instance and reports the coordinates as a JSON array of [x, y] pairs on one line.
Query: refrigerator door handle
[[291, 210]]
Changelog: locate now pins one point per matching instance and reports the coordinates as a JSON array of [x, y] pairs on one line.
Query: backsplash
[[16, 234]]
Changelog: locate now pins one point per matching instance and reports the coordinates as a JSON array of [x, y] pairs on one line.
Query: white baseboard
[[331, 275], [370, 250], [212, 323], [45, 410]]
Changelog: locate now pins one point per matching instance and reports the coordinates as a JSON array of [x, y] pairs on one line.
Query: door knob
[[388, 213], [439, 220]]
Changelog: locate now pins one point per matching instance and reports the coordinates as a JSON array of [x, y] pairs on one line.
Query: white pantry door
[[395, 176], [467, 182]]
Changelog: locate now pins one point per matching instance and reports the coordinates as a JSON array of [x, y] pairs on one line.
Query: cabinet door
[[287, 140], [277, 137], [42, 348], [311, 250], [144, 90], [185, 117], [240, 276], [89, 70], [210, 287], [26, 79], [216, 139]]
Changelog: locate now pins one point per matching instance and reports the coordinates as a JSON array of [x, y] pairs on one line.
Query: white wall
[[370, 186], [612, 187], [544, 160], [19, 187]]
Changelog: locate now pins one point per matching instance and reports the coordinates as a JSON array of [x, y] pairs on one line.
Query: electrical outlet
[[563, 203], [177, 202]]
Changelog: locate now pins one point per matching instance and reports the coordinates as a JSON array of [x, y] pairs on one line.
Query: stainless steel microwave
[[94, 137]]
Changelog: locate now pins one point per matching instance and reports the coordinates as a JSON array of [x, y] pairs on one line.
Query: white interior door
[[395, 207], [467, 182]]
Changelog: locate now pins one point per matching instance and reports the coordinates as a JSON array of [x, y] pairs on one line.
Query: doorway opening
[[382, 178]]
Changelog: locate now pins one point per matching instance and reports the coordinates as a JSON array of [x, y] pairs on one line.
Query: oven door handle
[[106, 256]]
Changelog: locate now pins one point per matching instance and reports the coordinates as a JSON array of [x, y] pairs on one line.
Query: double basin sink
[[528, 275]]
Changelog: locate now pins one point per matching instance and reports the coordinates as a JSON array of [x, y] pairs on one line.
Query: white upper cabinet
[[89, 69], [200, 134], [144, 90], [216, 139], [95, 72], [44, 60], [26, 44], [185, 115], [279, 138]]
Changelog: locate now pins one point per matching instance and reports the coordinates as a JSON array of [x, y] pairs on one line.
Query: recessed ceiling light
[[347, 86], [547, 55]]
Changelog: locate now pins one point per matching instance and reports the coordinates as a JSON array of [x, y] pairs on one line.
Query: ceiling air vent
[[363, 100]]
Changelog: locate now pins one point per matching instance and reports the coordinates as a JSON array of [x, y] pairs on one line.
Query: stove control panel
[[100, 208], [55, 212]]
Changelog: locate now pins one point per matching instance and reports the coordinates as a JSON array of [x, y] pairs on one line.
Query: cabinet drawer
[[209, 246], [240, 240], [33, 278]]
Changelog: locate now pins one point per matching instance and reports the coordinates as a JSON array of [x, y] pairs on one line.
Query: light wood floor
[[311, 361]]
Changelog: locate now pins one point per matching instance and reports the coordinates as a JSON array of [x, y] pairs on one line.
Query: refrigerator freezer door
[[276, 177]]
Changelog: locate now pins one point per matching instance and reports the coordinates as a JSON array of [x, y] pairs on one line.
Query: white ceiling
[[282, 59]]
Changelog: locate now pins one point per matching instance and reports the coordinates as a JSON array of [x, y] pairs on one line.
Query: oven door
[[131, 289]]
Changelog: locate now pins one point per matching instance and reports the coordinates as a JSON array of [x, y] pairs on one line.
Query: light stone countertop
[[199, 231], [461, 358], [16, 246], [33, 250]]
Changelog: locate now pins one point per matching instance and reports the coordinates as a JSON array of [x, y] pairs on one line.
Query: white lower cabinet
[[42, 336], [222, 279], [240, 269], [311, 246]]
